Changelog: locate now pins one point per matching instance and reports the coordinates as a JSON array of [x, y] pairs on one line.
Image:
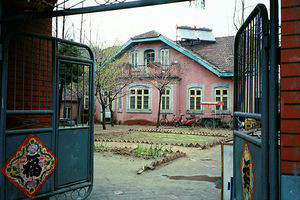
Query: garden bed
[[160, 154], [173, 139]]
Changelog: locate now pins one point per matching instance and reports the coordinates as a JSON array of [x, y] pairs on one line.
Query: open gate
[[47, 118], [251, 107]]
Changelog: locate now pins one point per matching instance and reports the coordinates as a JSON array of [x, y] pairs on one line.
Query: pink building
[[204, 73]]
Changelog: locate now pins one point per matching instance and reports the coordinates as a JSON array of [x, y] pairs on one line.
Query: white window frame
[[165, 58], [86, 102], [67, 112], [134, 59], [120, 101], [164, 101]]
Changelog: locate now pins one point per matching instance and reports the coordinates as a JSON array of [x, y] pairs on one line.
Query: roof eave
[[226, 74]]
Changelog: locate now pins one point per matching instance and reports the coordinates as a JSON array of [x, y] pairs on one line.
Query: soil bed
[[184, 136], [158, 138]]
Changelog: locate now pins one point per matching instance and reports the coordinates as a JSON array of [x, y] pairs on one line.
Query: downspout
[[273, 103]]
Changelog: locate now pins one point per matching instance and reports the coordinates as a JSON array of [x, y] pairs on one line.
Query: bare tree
[[240, 7], [238, 19], [81, 24], [64, 23], [161, 77], [110, 78]]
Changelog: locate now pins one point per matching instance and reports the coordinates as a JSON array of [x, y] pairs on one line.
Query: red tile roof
[[149, 34], [220, 53]]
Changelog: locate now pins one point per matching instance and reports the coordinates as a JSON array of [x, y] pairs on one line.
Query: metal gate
[[47, 112], [251, 107]]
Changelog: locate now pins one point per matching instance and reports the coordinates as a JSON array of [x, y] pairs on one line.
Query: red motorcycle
[[190, 121]]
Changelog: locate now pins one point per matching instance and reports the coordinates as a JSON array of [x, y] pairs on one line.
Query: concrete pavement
[[115, 177]]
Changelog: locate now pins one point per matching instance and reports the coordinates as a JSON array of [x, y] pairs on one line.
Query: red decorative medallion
[[30, 166]]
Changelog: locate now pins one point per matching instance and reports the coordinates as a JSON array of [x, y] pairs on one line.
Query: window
[[120, 102], [166, 99], [86, 102], [149, 57], [67, 112], [222, 94], [139, 98], [133, 58], [195, 97], [165, 57]]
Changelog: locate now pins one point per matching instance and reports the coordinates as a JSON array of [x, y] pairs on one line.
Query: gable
[[206, 64]]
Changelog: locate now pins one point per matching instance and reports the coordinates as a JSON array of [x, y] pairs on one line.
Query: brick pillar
[[29, 68], [290, 99]]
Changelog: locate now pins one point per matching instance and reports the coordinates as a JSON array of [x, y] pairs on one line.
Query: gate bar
[[32, 112], [22, 131], [73, 60], [3, 112], [249, 138], [251, 115], [265, 113], [273, 102], [109, 7], [93, 9]]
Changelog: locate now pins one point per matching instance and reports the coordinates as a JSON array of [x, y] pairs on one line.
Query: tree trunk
[[102, 103], [78, 121], [112, 115], [60, 97], [158, 113], [56, 24], [81, 23], [64, 24], [103, 116]]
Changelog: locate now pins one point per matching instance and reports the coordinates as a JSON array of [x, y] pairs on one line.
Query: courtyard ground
[[196, 176]]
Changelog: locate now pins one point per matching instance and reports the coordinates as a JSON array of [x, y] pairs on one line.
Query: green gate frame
[[251, 87], [60, 140]]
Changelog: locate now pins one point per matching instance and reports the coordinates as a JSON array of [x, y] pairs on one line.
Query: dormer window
[[149, 57], [133, 58], [165, 58]]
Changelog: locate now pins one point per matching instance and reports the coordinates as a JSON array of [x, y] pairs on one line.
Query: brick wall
[[29, 70], [29, 80], [290, 87]]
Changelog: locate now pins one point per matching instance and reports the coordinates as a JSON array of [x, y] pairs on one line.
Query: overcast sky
[[119, 26]]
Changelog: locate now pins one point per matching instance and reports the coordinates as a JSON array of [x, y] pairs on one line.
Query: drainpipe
[[273, 103]]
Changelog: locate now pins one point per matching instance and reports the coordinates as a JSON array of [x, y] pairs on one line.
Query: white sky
[[119, 26]]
